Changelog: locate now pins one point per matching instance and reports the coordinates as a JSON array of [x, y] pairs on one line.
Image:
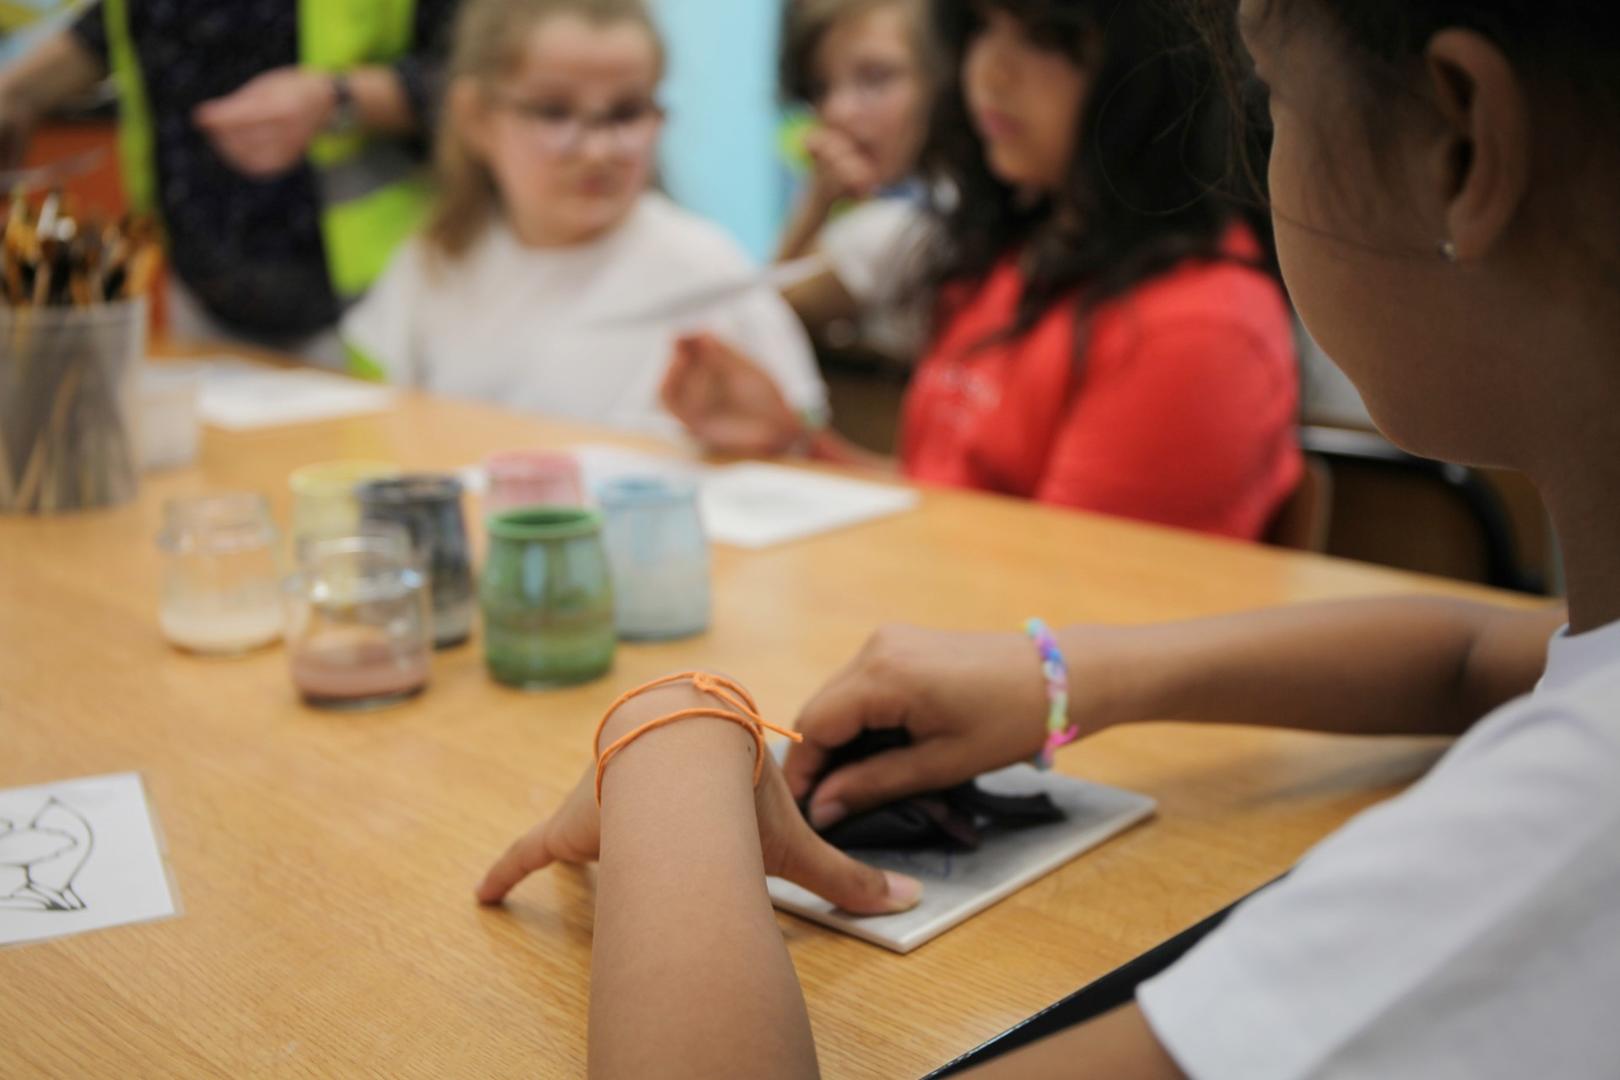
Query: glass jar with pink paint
[[359, 625], [524, 478]]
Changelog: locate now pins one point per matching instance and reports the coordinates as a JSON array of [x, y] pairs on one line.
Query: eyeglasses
[[867, 85], [559, 131]]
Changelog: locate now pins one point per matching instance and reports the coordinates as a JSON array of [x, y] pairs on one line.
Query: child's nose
[[598, 142], [841, 105]]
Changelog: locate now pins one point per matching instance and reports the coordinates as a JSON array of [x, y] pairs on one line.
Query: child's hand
[[841, 169], [788, 846], [572, 835], [971, 703], [728, 402]]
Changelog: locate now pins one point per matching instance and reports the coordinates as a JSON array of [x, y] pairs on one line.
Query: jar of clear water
[[221, 576]]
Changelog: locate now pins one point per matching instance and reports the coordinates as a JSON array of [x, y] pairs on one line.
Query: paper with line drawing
[[79, 855]]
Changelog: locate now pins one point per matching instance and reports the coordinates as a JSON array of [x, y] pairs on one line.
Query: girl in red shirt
[[1106, 334]]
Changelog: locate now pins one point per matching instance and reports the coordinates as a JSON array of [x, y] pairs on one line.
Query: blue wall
[[60, 12], [720, 154]]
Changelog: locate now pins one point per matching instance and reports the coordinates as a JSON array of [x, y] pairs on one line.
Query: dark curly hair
[[1147, 188]]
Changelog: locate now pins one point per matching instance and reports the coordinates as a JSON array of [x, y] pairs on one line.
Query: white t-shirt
[[545, 330], [874, 251], [1466, 930]]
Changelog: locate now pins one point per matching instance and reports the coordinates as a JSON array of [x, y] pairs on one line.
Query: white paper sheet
[[756, 506], [957, 886], [79, 855], [241, 396]]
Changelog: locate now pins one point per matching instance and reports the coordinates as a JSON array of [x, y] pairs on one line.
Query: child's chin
[[594, 213], [604, 204]]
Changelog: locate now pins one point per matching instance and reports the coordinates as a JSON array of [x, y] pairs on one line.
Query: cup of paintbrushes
[[68, 391], [73, 325]]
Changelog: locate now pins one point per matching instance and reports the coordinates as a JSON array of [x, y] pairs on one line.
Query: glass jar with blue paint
[[659, 555]]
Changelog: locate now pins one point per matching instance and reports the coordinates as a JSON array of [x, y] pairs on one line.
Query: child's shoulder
[[419, 262], [1231, 292], [424, 269], [1582, 680], [1232, 287]]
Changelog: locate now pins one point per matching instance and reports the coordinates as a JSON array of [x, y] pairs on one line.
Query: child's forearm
[[822, 302], [1399, 666], [804, 227], [690, 977]]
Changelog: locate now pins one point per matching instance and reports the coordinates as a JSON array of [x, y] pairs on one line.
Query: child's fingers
[[530, 852], [738, 433], [858, 176], [725, 356], [687, 391], [676, 378], [835, 877], [817, 141], [704, 348], [694, 352], [825, 146], [802, 765], [849, 704], [878, 780]]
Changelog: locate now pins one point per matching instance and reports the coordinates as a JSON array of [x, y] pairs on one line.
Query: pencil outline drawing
[[39, 861]]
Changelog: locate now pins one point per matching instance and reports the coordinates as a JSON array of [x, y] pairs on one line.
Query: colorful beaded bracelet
[[1059, 731]]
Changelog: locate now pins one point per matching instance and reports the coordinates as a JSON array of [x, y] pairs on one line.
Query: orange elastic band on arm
[[743, 712]]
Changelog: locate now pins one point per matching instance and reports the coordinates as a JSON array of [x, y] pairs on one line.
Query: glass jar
[[221, 579], [519, 478], [429, 508], [659, 557], [547, 600], [358, 626], [324, 501]]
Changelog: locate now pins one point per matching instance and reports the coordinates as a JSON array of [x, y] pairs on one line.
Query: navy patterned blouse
[[250, 250]]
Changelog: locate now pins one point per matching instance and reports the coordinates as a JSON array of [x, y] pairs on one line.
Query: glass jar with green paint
[[547, 598]]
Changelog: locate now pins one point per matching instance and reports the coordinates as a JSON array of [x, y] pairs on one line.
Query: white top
[[1467, 930], [874, 251], [544, 329]]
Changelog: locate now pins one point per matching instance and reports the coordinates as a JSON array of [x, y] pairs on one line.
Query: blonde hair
[[490, 36]]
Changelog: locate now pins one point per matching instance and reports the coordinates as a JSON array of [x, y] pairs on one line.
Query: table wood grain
[[325, 863]]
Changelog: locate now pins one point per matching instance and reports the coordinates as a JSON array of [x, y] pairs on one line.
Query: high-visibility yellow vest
[[373, 192]]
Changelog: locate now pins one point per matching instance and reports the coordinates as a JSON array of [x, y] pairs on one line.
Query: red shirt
[[1181, 410]]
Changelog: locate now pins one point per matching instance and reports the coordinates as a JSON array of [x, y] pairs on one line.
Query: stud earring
[[1448, 250]]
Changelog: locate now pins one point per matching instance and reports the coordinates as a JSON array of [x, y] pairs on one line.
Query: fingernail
[[904, 892], [827, 814]]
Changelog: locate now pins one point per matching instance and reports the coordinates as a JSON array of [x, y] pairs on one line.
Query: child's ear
[[470, 113]]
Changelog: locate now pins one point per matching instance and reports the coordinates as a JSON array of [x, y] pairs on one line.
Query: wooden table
[[325, 863]]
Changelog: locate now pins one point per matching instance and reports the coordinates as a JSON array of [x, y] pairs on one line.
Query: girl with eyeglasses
[[538, 282]]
